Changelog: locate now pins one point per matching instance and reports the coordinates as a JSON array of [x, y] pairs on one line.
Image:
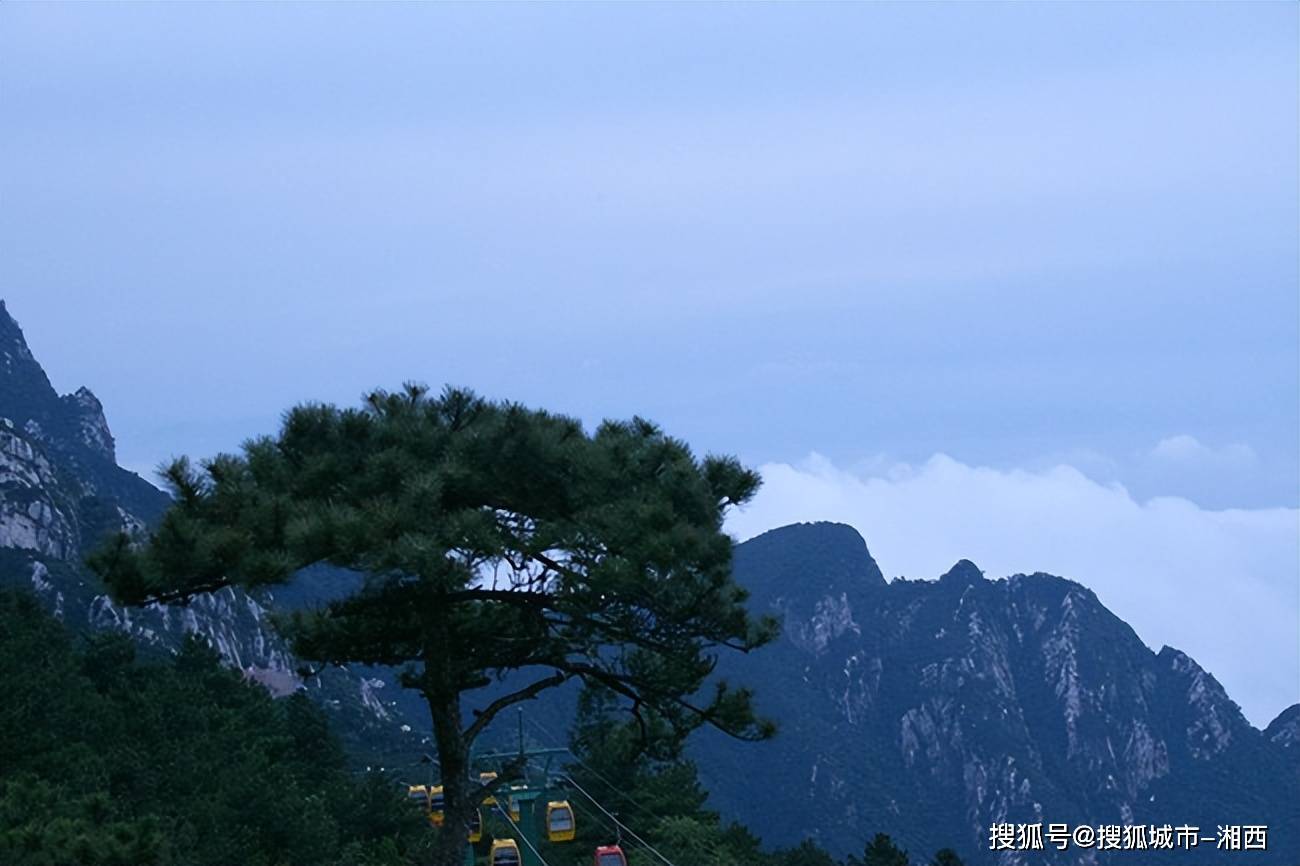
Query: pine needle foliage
[[494, 539]]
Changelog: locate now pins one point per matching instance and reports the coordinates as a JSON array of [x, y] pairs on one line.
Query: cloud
[[1216, 476], [1220, 585], [1185, 449]]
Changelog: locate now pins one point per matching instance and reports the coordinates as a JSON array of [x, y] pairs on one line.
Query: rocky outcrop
[[1284, 731], [35, 514], [86, 415], [58, 498], [70, 429], [61, 493], [933, 709]]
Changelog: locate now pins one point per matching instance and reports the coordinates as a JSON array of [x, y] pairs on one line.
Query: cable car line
[[612, 817], [559, 815], [596, 803], [599, 820], [612, 787], [603, 817], [620, 842], [521, 835]]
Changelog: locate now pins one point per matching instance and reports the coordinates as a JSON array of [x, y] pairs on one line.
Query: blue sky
[[1020, 236]]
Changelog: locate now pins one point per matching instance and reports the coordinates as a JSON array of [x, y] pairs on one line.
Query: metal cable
[[619, 825], [626, 828], [505, 814], [596, 819], [590, 769]]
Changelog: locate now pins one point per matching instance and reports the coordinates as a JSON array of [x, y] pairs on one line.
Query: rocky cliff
[[62, 492], [933, 709]]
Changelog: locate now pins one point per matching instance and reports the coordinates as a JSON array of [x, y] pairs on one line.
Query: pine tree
[[806, 853], [494, 539], [946, 857], [109, 761], [881, 851]]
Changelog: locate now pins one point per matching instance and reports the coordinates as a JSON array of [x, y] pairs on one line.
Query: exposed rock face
[[34, 514], [71, 430], [1284, 731], [87, 417], [932, 709], [61, 493]]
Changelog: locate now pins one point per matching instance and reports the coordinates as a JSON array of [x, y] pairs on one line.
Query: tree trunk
[[453, 760]]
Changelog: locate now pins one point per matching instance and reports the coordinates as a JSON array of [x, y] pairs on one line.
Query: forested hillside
[[113, 759], [108, 758]]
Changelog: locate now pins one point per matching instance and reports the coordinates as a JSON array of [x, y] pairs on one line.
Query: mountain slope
[[62, 492], [932, 709]]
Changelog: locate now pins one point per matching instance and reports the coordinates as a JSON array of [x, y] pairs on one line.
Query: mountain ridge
[[960, 702]]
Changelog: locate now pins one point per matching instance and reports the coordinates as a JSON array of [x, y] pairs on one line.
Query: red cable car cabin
[[610, 855]]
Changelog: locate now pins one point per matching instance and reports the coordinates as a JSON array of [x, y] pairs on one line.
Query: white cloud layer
[[1220, 585], [1185, 449]]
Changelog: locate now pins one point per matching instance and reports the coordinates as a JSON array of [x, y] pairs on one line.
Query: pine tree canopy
[[494, 538], [946, 857], [881, 851]]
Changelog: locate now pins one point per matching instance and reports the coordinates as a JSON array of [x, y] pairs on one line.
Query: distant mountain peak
[[819, 529], [836, 549], [88, 414], [964, 571], [72, 427], [20, 374]]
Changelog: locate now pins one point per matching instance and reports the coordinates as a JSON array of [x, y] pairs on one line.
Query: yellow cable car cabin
[[483, 779], [512, 808], [435, 805], [476, 826], [560, 825], [505, 852], [429, 800]]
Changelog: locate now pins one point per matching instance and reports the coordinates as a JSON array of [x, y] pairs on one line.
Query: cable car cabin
[[435, 806], [559, 821], [610, 855], [505, 852], [426, 800], [476, 826], [483, 779]]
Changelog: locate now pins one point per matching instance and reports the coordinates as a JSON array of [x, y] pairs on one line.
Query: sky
[[1013, 282]]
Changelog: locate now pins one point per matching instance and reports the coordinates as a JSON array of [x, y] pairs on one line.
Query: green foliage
[[613, 538], [946, 857], [46, 824], [494, 538], [881, 851], [806, 853], [106, 760]]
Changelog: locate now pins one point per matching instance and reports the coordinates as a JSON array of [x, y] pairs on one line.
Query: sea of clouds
[[1220, 585]]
